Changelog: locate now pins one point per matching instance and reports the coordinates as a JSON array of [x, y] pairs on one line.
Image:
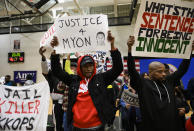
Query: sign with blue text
[[82, 33], [164, 29], [20, 76]]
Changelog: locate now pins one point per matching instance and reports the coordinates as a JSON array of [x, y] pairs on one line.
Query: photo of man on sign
[[100, 37]]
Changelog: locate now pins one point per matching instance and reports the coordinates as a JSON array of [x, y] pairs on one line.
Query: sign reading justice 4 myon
[[164, 29], [82, 33]]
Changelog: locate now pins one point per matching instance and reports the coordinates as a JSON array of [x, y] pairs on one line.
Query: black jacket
[[181, 103], [97, 86], [158, 114]]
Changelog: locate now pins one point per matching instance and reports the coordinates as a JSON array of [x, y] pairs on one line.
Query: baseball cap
[[87, 59]]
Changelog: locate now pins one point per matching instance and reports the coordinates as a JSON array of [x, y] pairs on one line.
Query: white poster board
[[100, 58], [48, 36], [24, 108], [164, 29], [84, 33], [130, 98]]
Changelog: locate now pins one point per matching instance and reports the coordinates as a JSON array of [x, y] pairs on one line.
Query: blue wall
[[176, 62]]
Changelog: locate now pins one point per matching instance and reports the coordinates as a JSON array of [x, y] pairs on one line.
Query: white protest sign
[[130, 98], [2, 80], [164, 29], [24, 108], [84, 33], [100, 58], [48, 36]]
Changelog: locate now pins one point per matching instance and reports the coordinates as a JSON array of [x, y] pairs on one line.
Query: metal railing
[[115, 21]]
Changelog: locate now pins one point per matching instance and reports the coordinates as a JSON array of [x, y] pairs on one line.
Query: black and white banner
[[24, 108], [130, 98]]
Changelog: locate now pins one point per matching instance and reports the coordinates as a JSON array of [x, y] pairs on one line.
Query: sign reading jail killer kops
[[82, 33], [24, 108], [164, 29]]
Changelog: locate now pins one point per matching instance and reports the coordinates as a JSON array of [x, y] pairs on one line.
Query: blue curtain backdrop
[[176, 62]]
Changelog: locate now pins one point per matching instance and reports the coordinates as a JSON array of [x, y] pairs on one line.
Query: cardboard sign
[[100, 58], [84, 33], [130, 98], [164, 29], [24, 108], [20, 76], [48, 36]]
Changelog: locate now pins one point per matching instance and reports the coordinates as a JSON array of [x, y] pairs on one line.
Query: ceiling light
[[63, 1]]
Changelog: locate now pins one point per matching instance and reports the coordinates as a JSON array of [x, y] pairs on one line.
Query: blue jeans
[[65, 123]]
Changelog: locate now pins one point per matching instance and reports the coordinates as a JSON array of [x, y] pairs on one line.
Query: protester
[[88, 107], [54, 83], [64, 89], [190, 122], [167, 69], [190, 90], [8, 81], [70, 68], [156, 95], [130, 115], [145, 75], [2, 80], [181, 106]]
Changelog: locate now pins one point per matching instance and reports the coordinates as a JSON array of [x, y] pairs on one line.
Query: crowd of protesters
[[87, 100]]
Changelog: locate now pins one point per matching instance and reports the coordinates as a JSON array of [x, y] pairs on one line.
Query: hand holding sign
[[127, 106], [41, 52], [54, 42], [77, 54], [54, 52], [130, 42], [181, 111], [111, 39]]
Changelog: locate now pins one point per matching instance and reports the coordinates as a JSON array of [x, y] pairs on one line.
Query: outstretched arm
[[44, 63], [56, 65], [52, 80], [111, 75], [134, 75], [68, 65], [183, 67]]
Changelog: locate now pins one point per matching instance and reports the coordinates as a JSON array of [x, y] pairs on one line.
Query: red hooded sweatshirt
[[85, 114]]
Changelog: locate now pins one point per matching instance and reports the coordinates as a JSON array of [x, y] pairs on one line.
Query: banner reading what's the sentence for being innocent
[[24, 108], [164, 29]]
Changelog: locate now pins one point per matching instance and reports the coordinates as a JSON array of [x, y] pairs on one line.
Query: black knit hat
[[86, 59]]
